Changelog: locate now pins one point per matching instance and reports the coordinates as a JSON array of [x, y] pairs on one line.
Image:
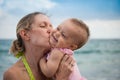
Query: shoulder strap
[[28, 68]]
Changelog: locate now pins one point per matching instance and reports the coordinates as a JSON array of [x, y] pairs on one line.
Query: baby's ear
[[73, 46]]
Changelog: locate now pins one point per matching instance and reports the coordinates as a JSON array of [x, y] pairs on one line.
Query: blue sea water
[[98, 60]]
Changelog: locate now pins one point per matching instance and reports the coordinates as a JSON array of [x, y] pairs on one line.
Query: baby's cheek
[[61, 45]]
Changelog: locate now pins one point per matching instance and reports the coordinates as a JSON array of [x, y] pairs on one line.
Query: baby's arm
[[50, 66]]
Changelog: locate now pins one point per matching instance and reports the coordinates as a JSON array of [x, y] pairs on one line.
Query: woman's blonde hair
[[24, 23]]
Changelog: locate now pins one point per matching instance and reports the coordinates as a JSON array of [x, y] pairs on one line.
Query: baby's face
[[62, 36]]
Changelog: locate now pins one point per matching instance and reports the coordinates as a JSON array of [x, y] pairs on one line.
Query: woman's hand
[[65, 68]]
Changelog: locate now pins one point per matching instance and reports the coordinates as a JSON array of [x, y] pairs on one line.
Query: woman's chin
[[46, 51]]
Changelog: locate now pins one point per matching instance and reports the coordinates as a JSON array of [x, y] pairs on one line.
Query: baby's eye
[[63, 35], [58, 29]]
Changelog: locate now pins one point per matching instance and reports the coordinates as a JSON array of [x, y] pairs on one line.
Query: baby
[[70, 35]]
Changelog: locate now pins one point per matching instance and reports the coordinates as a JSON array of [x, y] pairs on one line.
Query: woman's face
[[41, 28]]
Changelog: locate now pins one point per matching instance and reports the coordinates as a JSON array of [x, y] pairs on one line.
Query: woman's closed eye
[[42, 26]]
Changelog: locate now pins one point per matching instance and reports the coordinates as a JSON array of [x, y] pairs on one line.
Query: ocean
[[99, 59]]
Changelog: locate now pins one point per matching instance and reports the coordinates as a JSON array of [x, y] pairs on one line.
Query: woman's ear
[[73, 46], [24, 34]]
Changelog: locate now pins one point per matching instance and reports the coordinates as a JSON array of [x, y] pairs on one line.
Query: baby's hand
[[56, 51]]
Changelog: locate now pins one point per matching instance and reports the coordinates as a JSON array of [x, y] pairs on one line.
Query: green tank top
[[20, 54], [28, 68]]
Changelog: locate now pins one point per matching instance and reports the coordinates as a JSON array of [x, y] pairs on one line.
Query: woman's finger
[[72, 63], [69, 60], [65, 57]]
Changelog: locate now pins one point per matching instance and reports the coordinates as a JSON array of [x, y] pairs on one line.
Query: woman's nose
[[49, 30]]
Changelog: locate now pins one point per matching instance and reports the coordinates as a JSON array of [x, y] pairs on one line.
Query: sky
[[102, 16]]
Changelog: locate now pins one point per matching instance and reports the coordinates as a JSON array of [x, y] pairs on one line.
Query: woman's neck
[[33, 56]]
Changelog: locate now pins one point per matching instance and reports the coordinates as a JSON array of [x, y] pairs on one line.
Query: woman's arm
[[65, 68], [50, 66]]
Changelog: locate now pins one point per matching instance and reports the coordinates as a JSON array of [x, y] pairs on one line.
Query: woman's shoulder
[[14, 72], [10, 74]]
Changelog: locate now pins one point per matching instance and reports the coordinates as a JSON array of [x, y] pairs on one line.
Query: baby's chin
[[52, 46]]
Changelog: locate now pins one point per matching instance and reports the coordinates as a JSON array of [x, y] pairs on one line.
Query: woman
[[32, 43]]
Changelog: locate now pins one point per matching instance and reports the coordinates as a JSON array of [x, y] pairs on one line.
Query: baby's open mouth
[[52, 40], [55, 39]]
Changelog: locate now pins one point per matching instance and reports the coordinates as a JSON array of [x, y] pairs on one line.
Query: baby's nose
[[57, 34]]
